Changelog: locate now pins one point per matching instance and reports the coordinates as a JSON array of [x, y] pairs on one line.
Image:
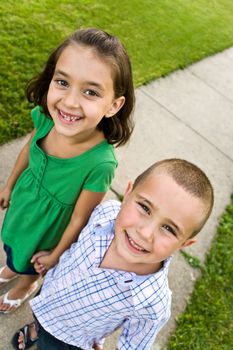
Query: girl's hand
[[5, 195], [37, 265], [43, 261]]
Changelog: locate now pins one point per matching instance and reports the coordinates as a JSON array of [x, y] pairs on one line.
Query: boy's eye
[[144, 207], [170, 229], [90, 93]]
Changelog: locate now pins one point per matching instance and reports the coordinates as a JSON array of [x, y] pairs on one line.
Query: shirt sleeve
[[140, 333], [39, 119], [100, 178]]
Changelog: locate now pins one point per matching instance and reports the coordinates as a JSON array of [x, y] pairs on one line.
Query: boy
[[115, 276]]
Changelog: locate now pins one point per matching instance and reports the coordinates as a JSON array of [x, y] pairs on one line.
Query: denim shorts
[[9, 263]]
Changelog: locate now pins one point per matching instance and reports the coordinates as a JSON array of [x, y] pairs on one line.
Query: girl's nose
[[71, 99]]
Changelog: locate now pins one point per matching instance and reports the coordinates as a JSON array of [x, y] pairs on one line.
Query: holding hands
[[43, 261]]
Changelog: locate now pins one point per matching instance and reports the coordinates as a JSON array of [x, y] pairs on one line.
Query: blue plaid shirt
[[81, 303]]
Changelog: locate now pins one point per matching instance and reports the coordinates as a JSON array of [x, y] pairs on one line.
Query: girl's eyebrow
[[60, 72], [92, 83]]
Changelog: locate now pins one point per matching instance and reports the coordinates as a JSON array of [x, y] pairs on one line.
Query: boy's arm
[[85, 204], [20, 165], [140, 333]]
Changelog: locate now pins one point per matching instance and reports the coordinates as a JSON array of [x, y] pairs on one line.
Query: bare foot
[[15, 297], [26, 336], [6, 274]]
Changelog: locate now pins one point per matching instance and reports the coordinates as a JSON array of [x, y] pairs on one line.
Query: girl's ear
[[115, 107]]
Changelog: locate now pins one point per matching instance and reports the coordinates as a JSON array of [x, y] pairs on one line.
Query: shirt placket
[[41, 172]]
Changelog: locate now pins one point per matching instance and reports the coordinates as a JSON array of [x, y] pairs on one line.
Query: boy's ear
[[128, 189], [189, 242], [115, 107]]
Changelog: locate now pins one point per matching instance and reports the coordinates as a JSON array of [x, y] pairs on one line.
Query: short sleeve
[[100, 178], [39, 119], [139, 333]]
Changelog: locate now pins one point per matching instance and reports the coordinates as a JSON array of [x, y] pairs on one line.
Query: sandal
[[5, 280], [25, 332], [16, 303]]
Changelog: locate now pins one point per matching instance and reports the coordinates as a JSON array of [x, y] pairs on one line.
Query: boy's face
[[156, 219]]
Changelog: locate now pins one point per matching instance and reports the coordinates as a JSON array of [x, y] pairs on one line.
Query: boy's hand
[[97, 347], [5, 195], [43, 261]]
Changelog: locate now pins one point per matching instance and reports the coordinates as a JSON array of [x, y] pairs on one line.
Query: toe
[[21, 340]]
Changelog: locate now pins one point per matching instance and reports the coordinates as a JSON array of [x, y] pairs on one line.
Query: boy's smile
[[156, 219], [136, 248]]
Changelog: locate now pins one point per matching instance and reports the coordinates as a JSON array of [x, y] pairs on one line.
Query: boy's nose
[[147, 232]]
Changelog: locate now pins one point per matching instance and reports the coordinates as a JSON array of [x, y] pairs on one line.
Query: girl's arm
[[20, 165], [85, 204]]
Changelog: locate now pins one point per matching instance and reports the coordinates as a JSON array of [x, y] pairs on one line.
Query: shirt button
[[52, 291], [85, 274], [128, 276]]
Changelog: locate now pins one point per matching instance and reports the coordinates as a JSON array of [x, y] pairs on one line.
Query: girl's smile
[[68, 118]]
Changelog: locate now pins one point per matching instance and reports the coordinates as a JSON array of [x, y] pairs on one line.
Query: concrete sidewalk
[[189, 115]]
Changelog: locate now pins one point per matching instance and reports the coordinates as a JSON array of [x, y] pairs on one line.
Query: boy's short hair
[[188, 176]]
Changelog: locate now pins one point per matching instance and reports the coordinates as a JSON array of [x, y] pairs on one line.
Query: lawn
[[160, 36], [207, 323]]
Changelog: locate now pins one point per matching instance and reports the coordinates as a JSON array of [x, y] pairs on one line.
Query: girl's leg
[[25, 285], [7, 273]]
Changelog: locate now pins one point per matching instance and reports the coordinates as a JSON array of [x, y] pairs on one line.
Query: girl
[[84, 98]]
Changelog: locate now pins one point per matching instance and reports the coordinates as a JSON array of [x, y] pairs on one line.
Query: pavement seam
[[187, 125], [210, 86]]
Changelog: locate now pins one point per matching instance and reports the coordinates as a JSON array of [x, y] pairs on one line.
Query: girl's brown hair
[[117, 129]]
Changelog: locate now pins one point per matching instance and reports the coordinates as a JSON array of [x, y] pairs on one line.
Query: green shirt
[[46, 192]]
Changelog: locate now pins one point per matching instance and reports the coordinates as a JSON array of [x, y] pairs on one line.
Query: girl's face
[[81, 92]]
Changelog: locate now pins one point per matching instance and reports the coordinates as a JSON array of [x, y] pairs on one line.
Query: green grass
[[160, 36], [207, 323]]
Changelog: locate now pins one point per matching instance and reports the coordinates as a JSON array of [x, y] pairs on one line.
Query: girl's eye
[[90, 93], [170, 229], [61, 82], [144, 207]]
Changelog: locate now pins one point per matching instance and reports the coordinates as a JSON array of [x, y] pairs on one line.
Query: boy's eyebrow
[[93, 83]]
